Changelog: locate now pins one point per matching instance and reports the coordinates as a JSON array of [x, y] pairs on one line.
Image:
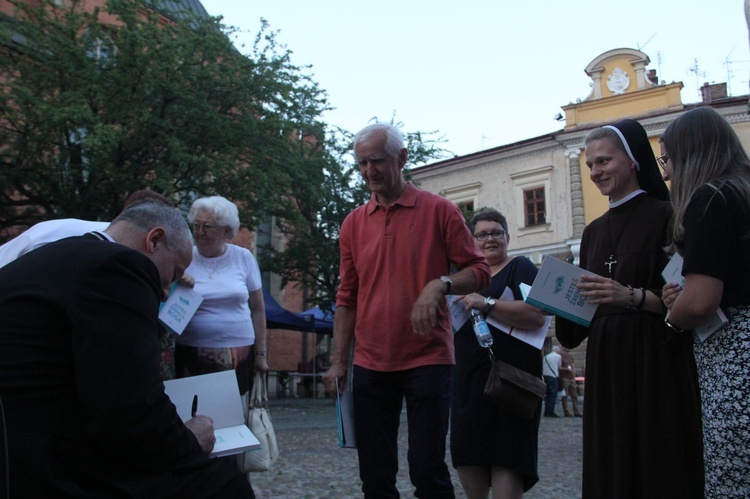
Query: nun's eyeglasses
[[662, 160]]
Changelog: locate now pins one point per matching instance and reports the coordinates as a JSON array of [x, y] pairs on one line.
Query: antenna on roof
[[698, 73], [658, 67], [644, 45], [728, 63]]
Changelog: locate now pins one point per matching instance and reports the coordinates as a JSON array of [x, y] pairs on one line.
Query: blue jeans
[[378, 398], [551, 398]]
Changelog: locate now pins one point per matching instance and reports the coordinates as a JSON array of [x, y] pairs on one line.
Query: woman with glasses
[[491, 447], [710, 174], [641, 416], [232, 315]]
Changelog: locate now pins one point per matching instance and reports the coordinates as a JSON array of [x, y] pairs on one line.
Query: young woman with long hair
[[710, 174]]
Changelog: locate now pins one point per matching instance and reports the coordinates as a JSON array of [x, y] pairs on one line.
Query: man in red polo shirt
[[396, 255]]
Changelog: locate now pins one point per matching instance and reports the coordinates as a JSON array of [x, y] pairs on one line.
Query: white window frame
[[527, 180], [468, 193]]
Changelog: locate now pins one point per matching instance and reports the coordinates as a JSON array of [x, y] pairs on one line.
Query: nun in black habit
[[641, 424]]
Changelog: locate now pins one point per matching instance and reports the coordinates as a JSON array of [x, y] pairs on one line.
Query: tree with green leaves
[[99, 103], [96, 104]]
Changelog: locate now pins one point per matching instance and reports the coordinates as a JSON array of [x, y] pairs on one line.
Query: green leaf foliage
[[98, 104]]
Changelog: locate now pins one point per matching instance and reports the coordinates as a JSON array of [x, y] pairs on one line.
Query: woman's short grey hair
[[223, 211], [148, 214], [394, 139]]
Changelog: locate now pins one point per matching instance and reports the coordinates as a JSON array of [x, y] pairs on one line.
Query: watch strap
[[489, 302], [448, 283], [673, 327]]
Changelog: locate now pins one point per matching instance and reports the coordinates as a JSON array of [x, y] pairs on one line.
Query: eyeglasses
[[197, 226], [662, 160], [496, 235]]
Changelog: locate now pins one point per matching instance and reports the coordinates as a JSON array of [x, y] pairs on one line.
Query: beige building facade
[[542, 184]]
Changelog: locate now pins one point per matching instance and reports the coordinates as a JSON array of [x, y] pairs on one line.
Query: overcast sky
[[485, 73]]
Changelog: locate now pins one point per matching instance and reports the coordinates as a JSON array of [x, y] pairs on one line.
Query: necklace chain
[[216, 264], [611, 262]]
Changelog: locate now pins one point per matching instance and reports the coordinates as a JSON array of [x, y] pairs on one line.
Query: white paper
[[673, 273], [232, 440], [459, 314], [534, 337], [219, 398], [524, 288], [176, 312], [715, 323]]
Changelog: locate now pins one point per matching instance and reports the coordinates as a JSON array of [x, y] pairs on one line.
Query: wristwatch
[[489, 303], [673, 327], [448, 283]]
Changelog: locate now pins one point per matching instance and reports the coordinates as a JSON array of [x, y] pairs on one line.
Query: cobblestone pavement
[[312, 466]]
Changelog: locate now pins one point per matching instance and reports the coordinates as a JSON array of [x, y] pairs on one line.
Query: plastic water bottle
[[481, 329]]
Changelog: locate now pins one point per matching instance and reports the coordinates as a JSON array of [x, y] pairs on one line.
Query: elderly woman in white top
[[232, 317]]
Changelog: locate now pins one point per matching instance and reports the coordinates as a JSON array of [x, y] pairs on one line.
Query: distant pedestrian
[[551, 373], [569, 384]]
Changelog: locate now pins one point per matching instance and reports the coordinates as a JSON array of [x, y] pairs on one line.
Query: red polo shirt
[[387, 257]]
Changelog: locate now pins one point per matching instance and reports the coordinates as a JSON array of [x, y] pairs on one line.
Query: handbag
[[512, 389], [259, 421]]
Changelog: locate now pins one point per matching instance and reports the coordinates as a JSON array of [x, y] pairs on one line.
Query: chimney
[[713, 92]]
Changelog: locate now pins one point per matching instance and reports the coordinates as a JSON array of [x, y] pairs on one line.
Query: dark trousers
[[378, 400], [551, 398]]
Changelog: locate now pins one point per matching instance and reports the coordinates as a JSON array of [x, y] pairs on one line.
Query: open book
[[218, 397], [555, 291], [673, 273]]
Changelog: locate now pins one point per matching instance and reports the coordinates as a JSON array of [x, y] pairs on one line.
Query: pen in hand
[[195, 406]]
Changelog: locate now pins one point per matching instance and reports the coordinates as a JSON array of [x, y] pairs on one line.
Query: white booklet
[[534, 337], [673, 273], [555, 291], [179, 308], [218, 396]]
